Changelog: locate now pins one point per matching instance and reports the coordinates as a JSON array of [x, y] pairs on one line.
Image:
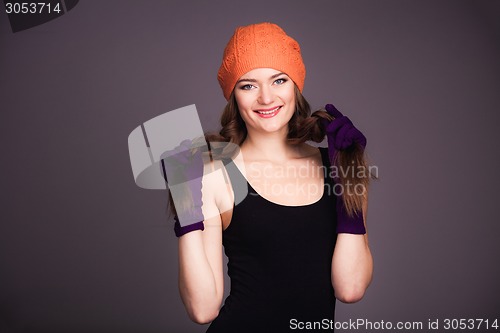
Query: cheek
[[242, 107], [242, 101], [290, 96], [291, 99]]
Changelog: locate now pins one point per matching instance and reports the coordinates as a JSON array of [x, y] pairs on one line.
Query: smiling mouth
[[268, 112]]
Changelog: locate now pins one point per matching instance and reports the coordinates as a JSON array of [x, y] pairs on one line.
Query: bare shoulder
[[215, 190]]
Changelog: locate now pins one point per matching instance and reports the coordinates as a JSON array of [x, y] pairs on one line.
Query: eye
[[247, 87], [280, 81]]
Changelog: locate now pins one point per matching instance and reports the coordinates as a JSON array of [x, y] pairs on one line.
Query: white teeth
[[269, 112]]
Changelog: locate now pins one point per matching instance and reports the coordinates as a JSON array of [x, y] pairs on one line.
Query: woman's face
[[266, 100]]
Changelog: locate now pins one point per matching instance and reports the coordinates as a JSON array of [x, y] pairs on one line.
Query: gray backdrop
[[83, 249]]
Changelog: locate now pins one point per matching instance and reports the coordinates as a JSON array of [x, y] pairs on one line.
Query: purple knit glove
[[184, 171], [349, 224], [341, 135]]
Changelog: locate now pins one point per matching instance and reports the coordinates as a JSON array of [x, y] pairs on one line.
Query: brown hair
[[302, 127]]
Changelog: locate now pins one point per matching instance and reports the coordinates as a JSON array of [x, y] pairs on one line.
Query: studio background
[[83, 249]]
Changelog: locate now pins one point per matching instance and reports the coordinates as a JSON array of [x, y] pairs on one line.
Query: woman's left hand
[[341, 132]]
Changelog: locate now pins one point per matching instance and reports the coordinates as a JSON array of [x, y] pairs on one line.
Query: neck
[[269, 146]]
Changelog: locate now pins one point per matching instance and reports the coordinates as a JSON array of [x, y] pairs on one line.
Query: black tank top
[[279, 262]]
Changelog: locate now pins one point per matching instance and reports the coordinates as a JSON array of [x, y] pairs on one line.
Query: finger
[[332, 111], [343, 139], [338, 123]]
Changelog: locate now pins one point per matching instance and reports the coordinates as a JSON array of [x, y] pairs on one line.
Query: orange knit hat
[[263, 45]]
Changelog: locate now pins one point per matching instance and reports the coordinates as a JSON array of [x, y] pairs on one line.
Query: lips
[[267, 113]]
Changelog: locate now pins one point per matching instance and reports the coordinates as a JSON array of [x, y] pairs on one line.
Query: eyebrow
[[254, 80]]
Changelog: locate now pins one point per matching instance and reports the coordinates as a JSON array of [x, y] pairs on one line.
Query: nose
[[266, 95]]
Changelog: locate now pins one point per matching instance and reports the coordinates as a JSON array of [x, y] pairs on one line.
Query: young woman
[[297, 241]]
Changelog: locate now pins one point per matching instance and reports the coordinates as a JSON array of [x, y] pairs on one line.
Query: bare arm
[[352, 266], [201, 283]]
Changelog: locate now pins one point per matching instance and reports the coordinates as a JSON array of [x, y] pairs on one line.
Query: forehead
[[260, 74]]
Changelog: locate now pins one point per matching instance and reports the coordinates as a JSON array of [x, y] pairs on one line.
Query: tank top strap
[[324, 156], [239, 183]]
